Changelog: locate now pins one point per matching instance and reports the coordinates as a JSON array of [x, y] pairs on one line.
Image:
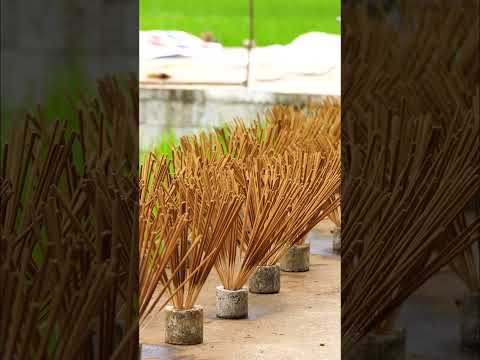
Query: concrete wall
[[186, 111]]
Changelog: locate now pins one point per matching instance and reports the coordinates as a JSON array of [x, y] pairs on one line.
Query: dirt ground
[[301, 322]]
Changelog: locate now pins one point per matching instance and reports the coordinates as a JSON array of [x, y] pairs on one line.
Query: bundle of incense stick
[[317, 129], [303, 147], [27, 184], [109, 127], [300, 127], [402, 166], [162, 227], [407, 187], [285, 197], [283, 128], [331, 111], [446, 58], [211, 197], [67, 244], [50, 302], [335, 216], [184, 221]]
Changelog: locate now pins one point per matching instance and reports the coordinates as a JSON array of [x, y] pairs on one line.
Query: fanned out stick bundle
[[410, 186], [285, 198], [67, 236], [411, 168], [378, 65], [210, 197], [308, 177], [160, 231], [184, 221], [283, 128], [315, 129], [27, 180], [335, 215], [284, 172]]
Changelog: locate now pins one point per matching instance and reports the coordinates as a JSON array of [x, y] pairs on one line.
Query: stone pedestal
[[297, 259], [266, 280], [184, 327], [232, 304]]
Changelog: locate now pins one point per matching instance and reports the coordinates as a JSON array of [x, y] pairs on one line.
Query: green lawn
[[276, 21], [162, 146]]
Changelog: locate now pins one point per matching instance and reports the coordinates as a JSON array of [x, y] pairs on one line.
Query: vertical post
[[250, 40]]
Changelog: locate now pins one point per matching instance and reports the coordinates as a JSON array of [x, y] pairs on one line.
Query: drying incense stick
[[393, 162], [395, 249], [283, 128], [184, 223], [335, 215], [213, 201], [67, 235], [285, 197], [397, 245], [373, 71], [308, 176], [161, 228]]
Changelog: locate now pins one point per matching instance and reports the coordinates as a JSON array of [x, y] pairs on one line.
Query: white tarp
[[310, 54], [161, 43], [312, 47]]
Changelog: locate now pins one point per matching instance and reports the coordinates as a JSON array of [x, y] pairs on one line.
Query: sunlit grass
[[276, 21], [162, 146]]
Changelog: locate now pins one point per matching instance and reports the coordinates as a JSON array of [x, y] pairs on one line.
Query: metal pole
[[250, 40]]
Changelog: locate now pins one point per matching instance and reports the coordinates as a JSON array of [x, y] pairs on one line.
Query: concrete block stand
[[232, 304], [184, 327], [266, 280], [297, 259]]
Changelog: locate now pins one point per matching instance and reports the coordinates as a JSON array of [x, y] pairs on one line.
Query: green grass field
[[276, 21], [162, 146]]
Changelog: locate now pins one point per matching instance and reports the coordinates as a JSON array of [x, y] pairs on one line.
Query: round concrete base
[[184, 327], [390, 346], [297, 259], [266, 280], [470, 322], [232, 304]]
